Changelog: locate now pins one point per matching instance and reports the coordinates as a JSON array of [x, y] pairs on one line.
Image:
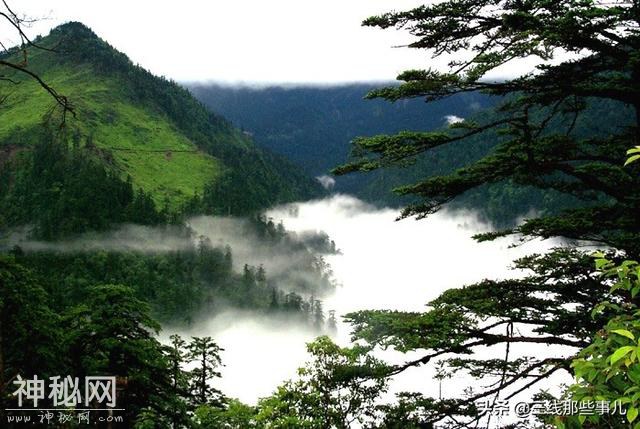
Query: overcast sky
[[243, 40]]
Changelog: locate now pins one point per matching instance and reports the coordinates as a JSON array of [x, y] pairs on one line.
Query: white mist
[[383, 264]]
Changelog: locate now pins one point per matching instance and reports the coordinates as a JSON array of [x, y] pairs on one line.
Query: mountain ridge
[[313, 125], [148, 128], [317, 124]]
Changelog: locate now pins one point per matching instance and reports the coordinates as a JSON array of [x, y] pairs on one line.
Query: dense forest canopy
[[312, 125]]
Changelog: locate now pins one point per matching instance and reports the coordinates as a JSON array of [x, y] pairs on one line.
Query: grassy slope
[[143, 142]]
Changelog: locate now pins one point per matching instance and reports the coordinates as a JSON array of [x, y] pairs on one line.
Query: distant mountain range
[[313, 127]]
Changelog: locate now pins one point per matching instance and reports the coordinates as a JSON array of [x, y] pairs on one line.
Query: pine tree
[[332, 323], [113, 334], [317, 314], [261, 275], [31, 336], [205, 353], [536, 142], [176, 356]]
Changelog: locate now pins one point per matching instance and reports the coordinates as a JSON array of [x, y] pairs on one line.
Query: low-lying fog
[[383, 264]]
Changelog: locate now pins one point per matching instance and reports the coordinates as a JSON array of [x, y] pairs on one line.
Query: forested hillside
[[93, 147], [313, 127], [138, 127], [137, 149]]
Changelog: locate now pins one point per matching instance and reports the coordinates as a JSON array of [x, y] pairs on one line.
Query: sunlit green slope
[[145, 127]]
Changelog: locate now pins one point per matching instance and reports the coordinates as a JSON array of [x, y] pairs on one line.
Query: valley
[[456, 248]]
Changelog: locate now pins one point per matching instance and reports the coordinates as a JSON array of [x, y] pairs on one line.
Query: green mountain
[[143, 129], [140, 149], [313, 127]]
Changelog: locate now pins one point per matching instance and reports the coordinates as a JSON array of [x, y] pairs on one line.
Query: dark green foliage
[[177, 356], [507, 181], [312, 127], [61, 190], [111, 333], [551, 305], [555, 310], [534, 152], [108, 332], [253, 180], [86, 312], [178, 285], [539, 145], [30, 338], [338, 389], [206, 353], [196, 278]]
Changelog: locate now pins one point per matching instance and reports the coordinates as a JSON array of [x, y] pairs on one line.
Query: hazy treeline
[[184, 275]]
